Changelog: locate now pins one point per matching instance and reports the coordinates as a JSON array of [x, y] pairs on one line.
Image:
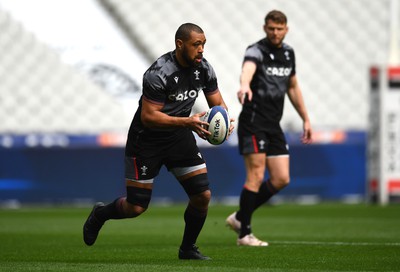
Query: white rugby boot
[[250, 240], [233, 223]]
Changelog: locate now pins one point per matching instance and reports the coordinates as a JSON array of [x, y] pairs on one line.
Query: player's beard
[[277, 42], [188, 60]]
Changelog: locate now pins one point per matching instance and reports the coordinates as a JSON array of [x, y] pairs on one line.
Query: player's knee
[[281, 182], [253, 181], [202, 198], [137, 210], [132, 211], [206, 196], [196, 185], [138, 199], [256, 176]]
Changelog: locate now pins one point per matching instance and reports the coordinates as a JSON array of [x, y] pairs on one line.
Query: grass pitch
[[325, 237]]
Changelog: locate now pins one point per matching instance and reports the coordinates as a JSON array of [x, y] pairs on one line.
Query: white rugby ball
[[218, 119]]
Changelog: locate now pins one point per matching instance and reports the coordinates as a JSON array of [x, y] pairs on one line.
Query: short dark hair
[[183, 32], [276, 16]]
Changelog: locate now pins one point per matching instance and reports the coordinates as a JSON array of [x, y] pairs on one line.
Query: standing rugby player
[[268, 74]]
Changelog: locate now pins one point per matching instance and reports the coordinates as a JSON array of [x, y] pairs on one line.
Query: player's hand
[[243, 93], [197, 125], [307, 133], [231, 127]]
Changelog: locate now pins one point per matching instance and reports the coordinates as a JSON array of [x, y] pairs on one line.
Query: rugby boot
[[92, 226], [250, 240], [233, 223], [192, 253]]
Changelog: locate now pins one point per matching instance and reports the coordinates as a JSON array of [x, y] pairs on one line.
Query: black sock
[[266, 191], [111, 211], [194, 221], [247, 205]]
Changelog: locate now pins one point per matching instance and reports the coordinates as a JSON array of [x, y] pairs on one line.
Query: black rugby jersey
[[175, 87], [270, 83]]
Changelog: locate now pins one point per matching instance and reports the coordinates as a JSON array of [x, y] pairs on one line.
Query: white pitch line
[[334, 243]]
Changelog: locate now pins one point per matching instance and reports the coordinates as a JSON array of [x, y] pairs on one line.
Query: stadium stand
[[41, 94], [335, 42]]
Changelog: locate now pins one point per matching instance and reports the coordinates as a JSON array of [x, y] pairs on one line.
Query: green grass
[[326, 237]]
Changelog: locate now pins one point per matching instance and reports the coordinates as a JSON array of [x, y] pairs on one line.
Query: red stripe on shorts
[[136, 170], [254, 140]]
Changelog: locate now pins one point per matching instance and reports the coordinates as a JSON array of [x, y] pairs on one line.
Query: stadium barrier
[[68, 169]]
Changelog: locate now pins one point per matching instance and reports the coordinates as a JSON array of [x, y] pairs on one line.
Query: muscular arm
[[152, 116], [248, 70], [216, 99], [296, 98]]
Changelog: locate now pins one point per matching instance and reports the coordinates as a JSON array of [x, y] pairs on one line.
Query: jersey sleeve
[[294, 65], [211, 83], [254, 54], [154, 88]]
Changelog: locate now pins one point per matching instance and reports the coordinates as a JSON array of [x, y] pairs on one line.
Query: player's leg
[[253, 148], [278, 168], [118, 209], [255, 168], [196, 187], [187, 165], [248, 198], [139, 177], [277, 163]]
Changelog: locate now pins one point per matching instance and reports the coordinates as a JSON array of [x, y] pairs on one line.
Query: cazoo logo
[[278, 71], [183, 96]]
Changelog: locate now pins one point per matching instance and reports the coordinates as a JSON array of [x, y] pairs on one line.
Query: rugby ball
[[218, 119]]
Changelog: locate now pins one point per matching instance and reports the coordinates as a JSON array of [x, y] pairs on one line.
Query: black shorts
[[271, 143], [144, 155]]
